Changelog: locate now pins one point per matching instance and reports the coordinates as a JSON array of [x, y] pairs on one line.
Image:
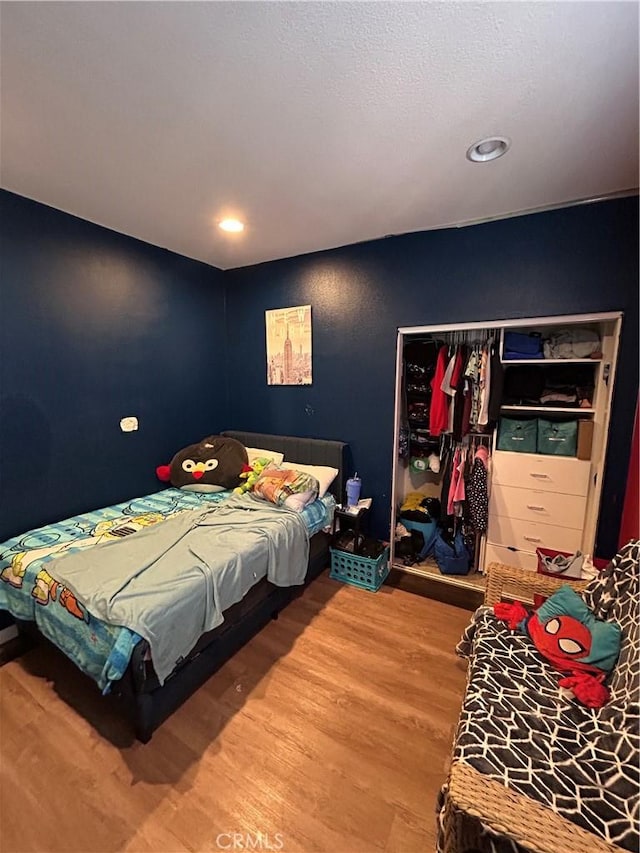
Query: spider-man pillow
[[566, 632], [569, 636]]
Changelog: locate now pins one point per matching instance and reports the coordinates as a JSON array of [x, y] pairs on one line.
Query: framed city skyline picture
[[289, 345]]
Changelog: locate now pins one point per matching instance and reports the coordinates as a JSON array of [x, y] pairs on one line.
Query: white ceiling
[[321, 124]]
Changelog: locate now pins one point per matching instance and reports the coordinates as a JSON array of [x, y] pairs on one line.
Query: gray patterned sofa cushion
[[614, 595], [517, 726]]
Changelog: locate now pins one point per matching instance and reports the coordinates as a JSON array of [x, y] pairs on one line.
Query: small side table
[[344, 519]]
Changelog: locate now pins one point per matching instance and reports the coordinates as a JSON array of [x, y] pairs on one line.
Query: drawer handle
[[539, 476], [532, 538], [537, 508]]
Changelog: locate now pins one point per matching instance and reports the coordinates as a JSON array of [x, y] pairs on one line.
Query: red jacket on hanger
[[439, 411]]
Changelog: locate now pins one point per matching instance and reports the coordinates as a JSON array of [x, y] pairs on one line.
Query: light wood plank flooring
[[331, 727]]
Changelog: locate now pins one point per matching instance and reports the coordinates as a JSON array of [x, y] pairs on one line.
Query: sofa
[[532, 769]]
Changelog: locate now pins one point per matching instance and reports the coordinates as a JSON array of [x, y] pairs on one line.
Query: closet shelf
[[508, 361], [572, 410]]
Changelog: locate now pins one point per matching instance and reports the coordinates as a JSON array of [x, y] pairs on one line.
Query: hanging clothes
[[456, 496], [456, 375], [477, 491], [439, 409], [497, 384], [446, 466], [468, 403], [448, 388], [459, 382], [459, 494], [472, 373], [485, 385], [453, 483]]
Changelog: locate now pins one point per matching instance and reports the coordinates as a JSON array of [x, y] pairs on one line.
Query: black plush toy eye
[[188, 465], [210, 464]]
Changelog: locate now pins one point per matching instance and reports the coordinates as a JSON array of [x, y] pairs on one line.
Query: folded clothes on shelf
[[561, 385], [576, 342], [554, 397]]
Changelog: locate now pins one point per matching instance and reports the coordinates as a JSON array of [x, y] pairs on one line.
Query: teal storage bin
[[519, 434], [557, 438], [358, 570]]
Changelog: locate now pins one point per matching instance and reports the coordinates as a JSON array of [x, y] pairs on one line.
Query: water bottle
[[353, 490]]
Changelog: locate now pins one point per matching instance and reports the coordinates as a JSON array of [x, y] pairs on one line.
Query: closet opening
[[500, 438]]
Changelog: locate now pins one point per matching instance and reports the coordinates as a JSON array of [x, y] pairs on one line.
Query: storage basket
[[557, 438], [519, 434], [538, 600], [358, 570], [598, 562]]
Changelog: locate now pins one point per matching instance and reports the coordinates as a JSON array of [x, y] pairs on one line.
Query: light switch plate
[[129, 424]]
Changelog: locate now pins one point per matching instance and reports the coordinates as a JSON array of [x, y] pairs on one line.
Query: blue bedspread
[[30, 591]]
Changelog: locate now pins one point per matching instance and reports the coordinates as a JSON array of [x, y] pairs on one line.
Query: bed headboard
[[307, 451]]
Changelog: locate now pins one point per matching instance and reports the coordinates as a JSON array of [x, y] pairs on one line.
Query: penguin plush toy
[[212, 465]]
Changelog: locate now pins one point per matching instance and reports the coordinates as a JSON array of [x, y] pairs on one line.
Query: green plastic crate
[[354, 569]]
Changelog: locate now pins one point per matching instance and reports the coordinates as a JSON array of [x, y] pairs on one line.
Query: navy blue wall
[[96, 326], [566, 261]]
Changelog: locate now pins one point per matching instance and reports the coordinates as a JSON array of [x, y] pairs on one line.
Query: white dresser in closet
[[543, 501], [536, 502]]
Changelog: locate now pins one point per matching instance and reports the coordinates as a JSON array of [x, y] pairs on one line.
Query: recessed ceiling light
[[488, 149], [232, 225]]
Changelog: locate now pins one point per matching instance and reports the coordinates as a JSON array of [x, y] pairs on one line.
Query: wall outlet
[[129, 424]]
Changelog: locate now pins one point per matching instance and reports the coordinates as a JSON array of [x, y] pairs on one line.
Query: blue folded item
[[527, 346], [512, 355]]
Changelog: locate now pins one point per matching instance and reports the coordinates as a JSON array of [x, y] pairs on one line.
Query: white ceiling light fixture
[[488, 149], [232, 226]]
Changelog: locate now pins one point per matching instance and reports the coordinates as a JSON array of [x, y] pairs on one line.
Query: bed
[[117, 658]]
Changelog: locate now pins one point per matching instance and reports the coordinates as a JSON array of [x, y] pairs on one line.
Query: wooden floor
[[329, 731]]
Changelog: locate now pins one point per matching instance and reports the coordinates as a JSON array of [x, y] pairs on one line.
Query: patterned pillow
[[285, 487]]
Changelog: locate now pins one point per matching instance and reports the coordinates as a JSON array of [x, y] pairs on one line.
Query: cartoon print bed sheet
[[30, 591]]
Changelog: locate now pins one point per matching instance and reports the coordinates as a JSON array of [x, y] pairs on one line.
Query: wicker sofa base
[[480, 814]]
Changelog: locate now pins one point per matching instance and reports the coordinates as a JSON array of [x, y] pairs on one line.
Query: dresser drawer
[[562, 474], [561, 510], [509, 557], [529, 535]]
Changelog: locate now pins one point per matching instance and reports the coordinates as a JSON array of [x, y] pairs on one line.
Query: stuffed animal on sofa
[[568, 635], [251, 474], [212, 465]]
